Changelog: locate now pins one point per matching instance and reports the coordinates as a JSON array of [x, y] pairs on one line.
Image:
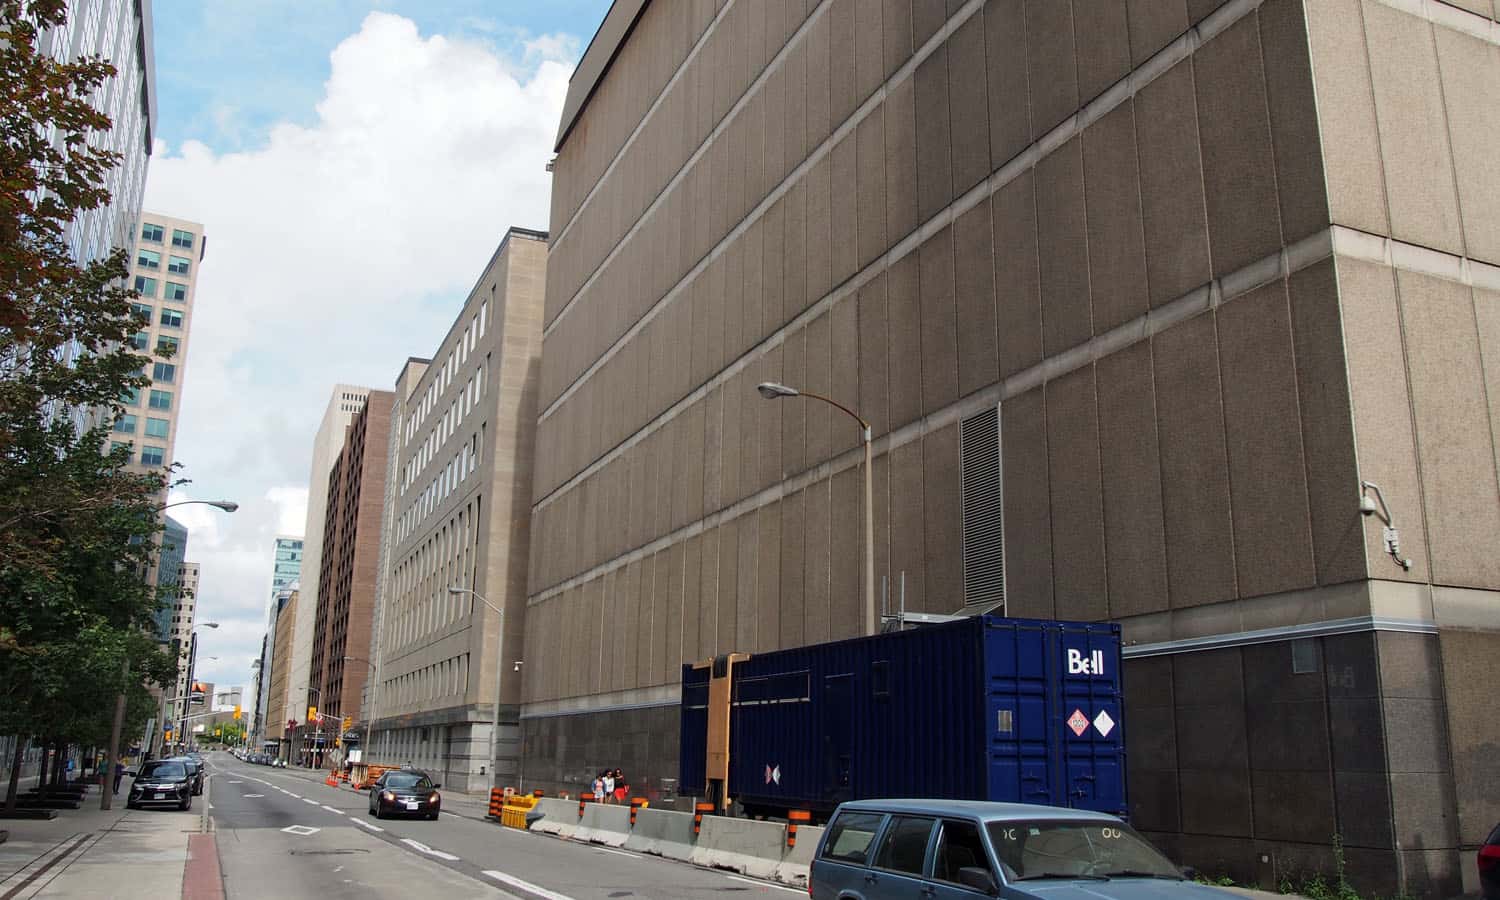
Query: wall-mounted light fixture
[[1376, 506]]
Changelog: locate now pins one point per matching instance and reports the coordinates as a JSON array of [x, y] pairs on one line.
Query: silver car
[[875, 849]]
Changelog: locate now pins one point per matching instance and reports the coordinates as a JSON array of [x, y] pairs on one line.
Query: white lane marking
[[365, 824], [515, 882], [210, 806], [423, 848], [779, 887], [337, 812], [301, 830], [616, 852], [236, 782], [253, 796], [309, 800], [292, 795]]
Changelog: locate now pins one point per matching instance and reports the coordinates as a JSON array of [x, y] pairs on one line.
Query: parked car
[[405, 792], [161, 782], [1489, 866], [195, 771], [874, 849]]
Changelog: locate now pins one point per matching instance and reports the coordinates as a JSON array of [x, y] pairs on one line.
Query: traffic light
[[169, 734], [236, 712], [312, 713], [348, 723]]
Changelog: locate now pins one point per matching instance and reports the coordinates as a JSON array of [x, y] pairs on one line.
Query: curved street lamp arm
[[832, 402]]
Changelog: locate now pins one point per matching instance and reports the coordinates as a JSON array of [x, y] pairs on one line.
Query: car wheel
[[432, 816], [378, 814], [129, 805], [187, 804]]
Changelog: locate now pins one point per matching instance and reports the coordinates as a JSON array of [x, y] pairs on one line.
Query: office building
[[279, 713], [266, 663], [461, 464], [346, 583], [1177, 314], [121, 32], [166, 574], [344, 403], [164, 270], [287, 565]]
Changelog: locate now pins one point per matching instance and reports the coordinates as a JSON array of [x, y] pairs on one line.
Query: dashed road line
[[309, 800], [337, 812], [423, 848], [515, 882], [616, 852], [292, 795], [364, 824]]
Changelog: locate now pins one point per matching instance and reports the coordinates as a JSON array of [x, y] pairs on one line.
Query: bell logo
[[1078, 664]]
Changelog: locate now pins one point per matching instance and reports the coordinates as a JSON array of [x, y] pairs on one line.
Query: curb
[[201, 877]]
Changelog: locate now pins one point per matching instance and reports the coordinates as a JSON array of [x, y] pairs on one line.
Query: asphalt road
[[282, 835]]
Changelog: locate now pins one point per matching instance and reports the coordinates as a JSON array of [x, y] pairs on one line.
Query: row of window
[[165, 346], [150, 456], [158, 399], [446, 482], [155, 233], [170, 318], [146, 287], [460, 407], [444, 377], [157, 428], [449, 678], [421, 603], [150, 259]]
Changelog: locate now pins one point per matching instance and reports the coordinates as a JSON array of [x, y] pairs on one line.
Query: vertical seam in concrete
[[1234, 554], [1083, 170]]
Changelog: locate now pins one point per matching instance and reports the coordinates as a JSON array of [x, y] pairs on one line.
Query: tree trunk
[[11, 792]]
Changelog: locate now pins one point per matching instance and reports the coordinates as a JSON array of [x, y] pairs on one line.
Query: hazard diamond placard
[[1104, 723], [1078, 722]]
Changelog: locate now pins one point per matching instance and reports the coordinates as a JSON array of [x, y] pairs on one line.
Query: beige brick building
[[1148, 289], [459, 486]]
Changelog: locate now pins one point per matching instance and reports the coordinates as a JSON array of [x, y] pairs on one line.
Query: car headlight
[[388, 797], [433, 798]]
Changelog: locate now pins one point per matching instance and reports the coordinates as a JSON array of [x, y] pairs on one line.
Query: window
[[115, 445], [166, 346], [164, 372], [850, 836], [177, 292], [148, 259], [144, 286], [904, 848], [178, 265], [157, 428], [1040, 849], [152, 456], [182, 238], [171, 318], [959, 847], [140, 340], [125, 424], [131, 397], [151, 232], [143, 311], [160, 400]]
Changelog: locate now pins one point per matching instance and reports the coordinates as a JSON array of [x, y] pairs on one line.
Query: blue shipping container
[[986, 708]]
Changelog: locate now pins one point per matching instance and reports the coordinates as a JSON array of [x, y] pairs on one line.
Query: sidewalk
[[90, 852]]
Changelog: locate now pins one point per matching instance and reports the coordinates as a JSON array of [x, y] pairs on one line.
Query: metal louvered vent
[[983, 512]]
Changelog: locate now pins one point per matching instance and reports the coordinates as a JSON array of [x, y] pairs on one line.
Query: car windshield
[[163, 770], [407, 780], [1076, 849]]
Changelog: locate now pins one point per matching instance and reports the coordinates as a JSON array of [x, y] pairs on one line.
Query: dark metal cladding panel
[[975, 709], [692, 756]]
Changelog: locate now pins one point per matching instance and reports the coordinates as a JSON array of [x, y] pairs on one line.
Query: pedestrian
[[119, 774], [609, 786], [621, 788], [598, 786]]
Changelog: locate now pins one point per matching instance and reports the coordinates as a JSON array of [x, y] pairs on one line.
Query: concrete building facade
[[1145, 303], [344, 404], [456, 516], [278, 710], [351, 548]]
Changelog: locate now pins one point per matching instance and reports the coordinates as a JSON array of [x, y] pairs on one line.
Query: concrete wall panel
[[1153, 24], [815, 624], [934, 141], [869, 138], [1008, 84], [1062, 248], [1130, 478], [1018, 301], [818, 183], [939, 325], [1346, 115], [968, 105], [1195, 489], [1112, 190], [1471, 70], [767, 626], [791, 600], [901, 159], [846, 555], [845, 205], [1267, 472], [944, 592], [896, 32], [1076, 495], [1028, 508], [908, 524], [904, 330], [1101, 34], [873, 341], [1051, 65], [974, 285], [1294, 119]]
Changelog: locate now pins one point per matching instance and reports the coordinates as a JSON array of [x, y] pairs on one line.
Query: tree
[[77, 528]]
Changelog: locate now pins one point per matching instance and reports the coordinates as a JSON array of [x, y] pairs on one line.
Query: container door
[[1091, 734], [838, 737], [1015, 671]]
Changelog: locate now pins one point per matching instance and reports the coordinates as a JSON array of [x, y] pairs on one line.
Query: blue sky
[[354, 166]]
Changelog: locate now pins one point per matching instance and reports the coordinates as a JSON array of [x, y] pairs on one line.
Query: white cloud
[[335, 251]]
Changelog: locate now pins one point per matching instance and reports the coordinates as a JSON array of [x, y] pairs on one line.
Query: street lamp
[[499, 672], [773, 391], [226, 505]]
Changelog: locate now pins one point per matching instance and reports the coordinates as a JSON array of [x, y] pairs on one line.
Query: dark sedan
[[195, 771], [1489, 866], [405, 792], [162, 782]]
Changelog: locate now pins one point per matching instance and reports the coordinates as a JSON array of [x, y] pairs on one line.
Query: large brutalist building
[[1179, 313]]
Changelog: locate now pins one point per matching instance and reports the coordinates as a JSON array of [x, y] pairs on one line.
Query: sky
[[354, 165]]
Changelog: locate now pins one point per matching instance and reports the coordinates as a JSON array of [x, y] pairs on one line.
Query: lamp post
[[499, 672], [773, 391], [187, 699]]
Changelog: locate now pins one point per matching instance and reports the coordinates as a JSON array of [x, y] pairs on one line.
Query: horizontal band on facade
[[561, 711], [1332, 628]]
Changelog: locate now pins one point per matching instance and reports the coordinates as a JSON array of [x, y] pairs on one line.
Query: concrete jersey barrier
[[604, 824], [662, 832], [559, 817], [741, 845]]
